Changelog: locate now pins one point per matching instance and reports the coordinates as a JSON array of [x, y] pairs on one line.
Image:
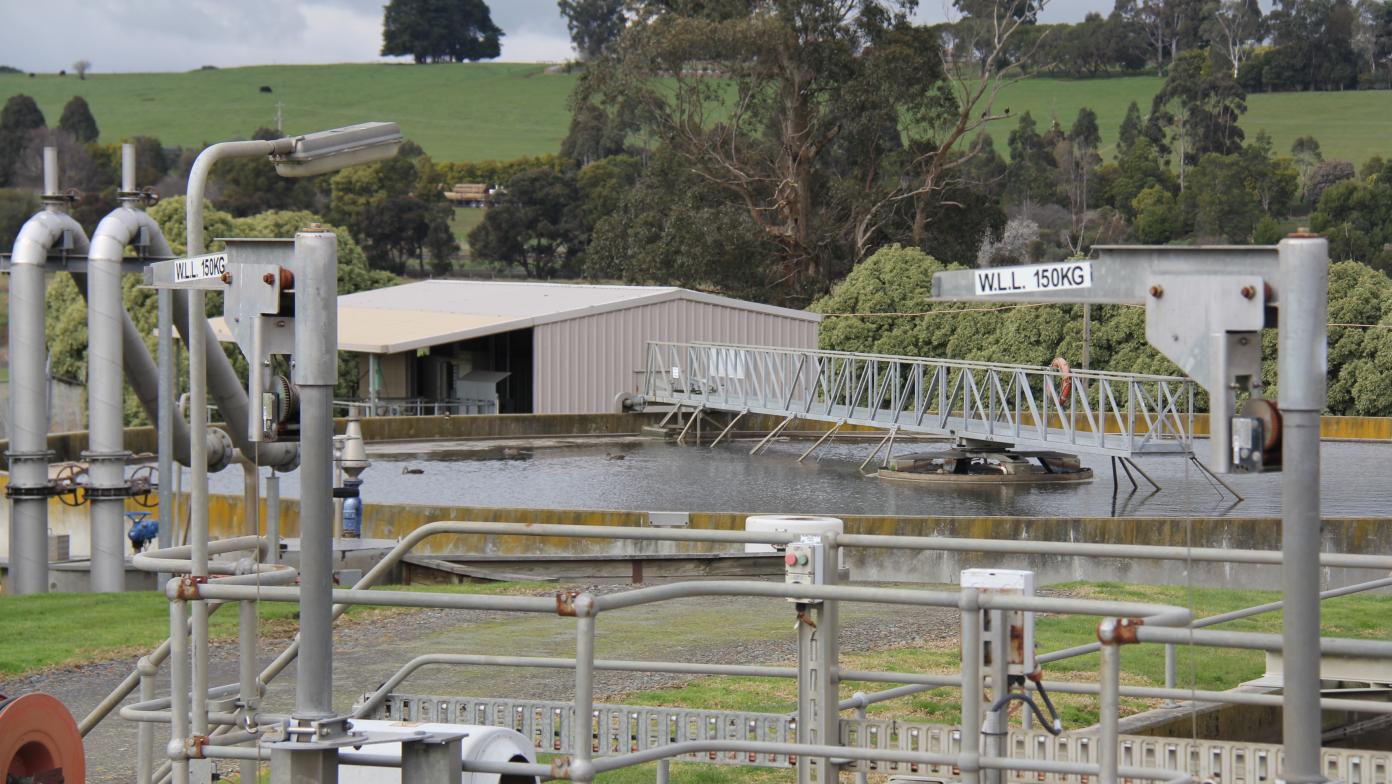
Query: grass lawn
[[479, 111], [1361, 616], [463, 221], [65, 628]]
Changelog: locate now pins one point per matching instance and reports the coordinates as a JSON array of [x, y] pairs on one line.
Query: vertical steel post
[[178, 688], [315, 370], [1302, 365], [165, 422], [1171, 671], [247, 616], [825, 645], [1110, 711], [807, 693], [431, 760], [583, 728], [861, 776], [273, 518], [997, 722], [198, 505], [971, 686], [145, 734]]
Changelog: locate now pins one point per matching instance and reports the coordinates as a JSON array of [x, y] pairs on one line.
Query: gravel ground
[[718, 630]]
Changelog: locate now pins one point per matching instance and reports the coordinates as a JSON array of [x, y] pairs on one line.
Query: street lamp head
[[328, 151]]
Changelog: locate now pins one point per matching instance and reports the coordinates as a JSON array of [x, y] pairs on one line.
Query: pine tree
[[77, 120], [20, 116]]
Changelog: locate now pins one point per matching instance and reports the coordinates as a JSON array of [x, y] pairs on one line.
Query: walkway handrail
[[1022, 406]]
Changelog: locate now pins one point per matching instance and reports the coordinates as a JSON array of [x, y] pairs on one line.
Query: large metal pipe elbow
[[117, 230]]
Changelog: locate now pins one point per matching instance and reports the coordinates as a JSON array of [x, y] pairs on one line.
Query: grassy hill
[[504, 110], [1351, 126], [456, 112]]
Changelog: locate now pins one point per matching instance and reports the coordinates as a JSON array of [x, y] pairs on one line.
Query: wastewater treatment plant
[[639, 533]]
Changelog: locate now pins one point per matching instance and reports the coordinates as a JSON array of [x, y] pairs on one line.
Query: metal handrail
[[586, 607], [1103, 412]]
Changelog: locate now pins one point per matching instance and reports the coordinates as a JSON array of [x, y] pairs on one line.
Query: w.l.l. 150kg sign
[[1036, 277], [195, 272]]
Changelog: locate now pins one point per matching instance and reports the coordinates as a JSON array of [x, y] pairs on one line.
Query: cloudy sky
[[178, 35]]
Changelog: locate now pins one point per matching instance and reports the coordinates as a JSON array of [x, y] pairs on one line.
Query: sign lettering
[[1034, 277], [213, 265]]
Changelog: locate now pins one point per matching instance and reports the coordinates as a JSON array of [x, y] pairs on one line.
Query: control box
[[1248, 437], [1020, 639], [805, 563]]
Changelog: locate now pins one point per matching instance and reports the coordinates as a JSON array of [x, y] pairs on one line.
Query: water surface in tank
[[655, 475]]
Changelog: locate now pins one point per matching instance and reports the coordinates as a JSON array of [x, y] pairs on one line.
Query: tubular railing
[[1115, 414], [1164, 625]]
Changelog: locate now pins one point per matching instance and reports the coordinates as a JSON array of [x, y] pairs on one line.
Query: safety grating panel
[[619, 729]]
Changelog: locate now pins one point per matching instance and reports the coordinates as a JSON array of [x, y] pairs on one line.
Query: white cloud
[[179, 35]]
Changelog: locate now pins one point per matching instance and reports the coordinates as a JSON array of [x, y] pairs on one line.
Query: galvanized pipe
[[1267, 642], [582, 769], [1109, 714], [971, 686], [1303, 363], [273, 519], [607, 764], [1213, 620], [1092, 550], [29, 414], [145, 734], [315, 372], [516, 769], [105, 399], [463, 659], [249, 691], [231, 397], [217, 589], [178, 685], [166, 389]]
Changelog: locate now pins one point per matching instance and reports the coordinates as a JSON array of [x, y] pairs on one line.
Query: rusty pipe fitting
[[1119, 631]]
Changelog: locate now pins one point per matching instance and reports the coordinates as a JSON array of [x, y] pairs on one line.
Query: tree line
[[395, 210], [766, 154]]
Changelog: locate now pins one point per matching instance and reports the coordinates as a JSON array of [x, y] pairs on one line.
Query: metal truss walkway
[[1018, 406]]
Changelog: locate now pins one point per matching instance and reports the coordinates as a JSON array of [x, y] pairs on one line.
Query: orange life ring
[[1066, 373]]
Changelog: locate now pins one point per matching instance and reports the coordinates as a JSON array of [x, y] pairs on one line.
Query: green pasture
[[457, 112], [479, 111]]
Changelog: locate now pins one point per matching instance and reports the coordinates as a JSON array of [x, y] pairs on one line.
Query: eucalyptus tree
[[834, 125]]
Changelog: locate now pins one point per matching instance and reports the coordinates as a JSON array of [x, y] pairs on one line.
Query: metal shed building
[[544, 347]]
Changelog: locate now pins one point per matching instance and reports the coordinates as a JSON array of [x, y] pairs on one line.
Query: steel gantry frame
[[620, 736], [1084, 411]]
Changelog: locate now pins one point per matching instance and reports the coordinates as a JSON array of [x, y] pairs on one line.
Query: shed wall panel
[[581, 364]]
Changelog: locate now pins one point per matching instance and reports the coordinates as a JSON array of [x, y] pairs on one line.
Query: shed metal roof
[[433, 312]]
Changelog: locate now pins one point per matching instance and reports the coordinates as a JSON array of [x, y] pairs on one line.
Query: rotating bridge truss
[[1019, 406]]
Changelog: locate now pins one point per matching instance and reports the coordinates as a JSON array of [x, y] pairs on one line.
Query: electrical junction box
[[1021, 637], [805, 563], [1248, 437]]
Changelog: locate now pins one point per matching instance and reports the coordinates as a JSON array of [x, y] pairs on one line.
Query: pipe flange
[[20, 454], [99, 457], [115, 491], [220, 456], [48, 490]]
